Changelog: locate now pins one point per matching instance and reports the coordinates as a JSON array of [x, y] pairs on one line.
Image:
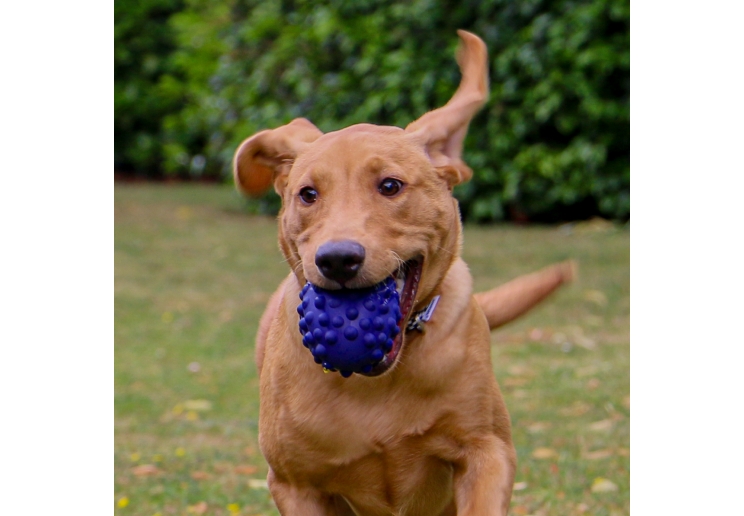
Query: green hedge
[[553, 141]]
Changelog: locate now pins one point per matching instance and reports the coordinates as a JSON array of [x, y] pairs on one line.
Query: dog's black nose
[[340, 261]]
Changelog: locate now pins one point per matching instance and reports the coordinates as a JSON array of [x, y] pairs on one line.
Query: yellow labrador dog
[[425, 432]]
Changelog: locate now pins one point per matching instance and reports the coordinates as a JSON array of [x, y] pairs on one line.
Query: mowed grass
[[193, 273]]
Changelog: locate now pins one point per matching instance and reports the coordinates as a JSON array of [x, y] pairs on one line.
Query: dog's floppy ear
[[443, 130], [266, 157]]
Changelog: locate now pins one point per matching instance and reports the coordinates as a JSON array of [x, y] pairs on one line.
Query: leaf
[[537, 427], [579, 408], [198, 508], [146, 470], [602, 426], [593, 383], [515, 381], [602, 485], [596, 296], [197, 405], [520, 486], [245, 469], [258, 483], [599, 454], [199, 475], [544, 453]]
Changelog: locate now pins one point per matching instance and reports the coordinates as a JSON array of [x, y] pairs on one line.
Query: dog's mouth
[[407, 278]]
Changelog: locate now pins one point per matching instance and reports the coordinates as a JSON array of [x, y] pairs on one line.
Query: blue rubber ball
[[349, 330]]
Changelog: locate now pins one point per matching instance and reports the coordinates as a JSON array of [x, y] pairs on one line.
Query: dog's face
[[363, 204], [369, 202]]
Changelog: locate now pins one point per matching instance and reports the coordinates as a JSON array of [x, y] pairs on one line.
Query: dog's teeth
[[400, 283]]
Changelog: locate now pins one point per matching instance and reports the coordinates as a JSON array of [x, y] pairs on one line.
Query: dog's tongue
[[349, 331]]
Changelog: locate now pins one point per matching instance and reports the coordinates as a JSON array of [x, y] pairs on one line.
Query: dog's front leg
[[294, 501], [484, 479]]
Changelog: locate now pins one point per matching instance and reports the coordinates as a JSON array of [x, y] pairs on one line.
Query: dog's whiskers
[[398, 259]]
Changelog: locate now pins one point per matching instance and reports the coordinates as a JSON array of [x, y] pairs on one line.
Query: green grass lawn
[[193, 272]]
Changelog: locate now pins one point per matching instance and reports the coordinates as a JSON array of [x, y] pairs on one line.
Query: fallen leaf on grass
[[199, 475], [146, 470], [520, 510], [222, 467], [520, 370], [197, 405], [579, 408], [602, 426], [593, 383], [199, 508], [602, 485], [536, 335], [245, 469], [598, 454], [183, 213], [520, 486], [515, 382], [537, 427], [596, 296], [544, 453], [258, 483]]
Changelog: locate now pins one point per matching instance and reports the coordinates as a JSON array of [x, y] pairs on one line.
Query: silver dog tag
[[417, 321]]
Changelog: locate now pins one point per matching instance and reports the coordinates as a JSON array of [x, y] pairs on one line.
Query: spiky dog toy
[[349, 330]]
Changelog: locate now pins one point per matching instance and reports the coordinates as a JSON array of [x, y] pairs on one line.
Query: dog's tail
[[505, 303]]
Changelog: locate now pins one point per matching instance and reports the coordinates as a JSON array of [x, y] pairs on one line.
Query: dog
[[426, 432]]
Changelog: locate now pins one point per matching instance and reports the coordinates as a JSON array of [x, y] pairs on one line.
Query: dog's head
[[368, 202]]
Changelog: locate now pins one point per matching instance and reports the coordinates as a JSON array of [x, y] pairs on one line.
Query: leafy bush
[[553, 141], [143, 43]]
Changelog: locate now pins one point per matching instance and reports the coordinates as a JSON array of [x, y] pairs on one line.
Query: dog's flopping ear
[[267, 157], [443, 130]]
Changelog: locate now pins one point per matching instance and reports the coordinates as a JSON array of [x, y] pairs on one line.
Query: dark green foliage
[[553, 141], [143, 43]]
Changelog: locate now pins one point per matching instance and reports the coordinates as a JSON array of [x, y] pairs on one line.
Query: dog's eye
[[308, 195], [390, 187]]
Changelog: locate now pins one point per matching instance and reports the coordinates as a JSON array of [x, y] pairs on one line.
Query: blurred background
[[195, 264], [195, 77]]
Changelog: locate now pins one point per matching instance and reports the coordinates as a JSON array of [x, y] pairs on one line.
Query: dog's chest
[[377, 466], [393, 450]]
